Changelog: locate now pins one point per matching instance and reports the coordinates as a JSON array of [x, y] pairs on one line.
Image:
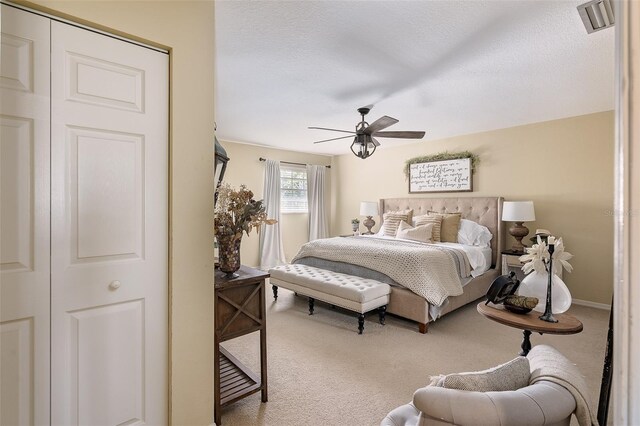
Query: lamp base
[[369, 223], [518, 231]]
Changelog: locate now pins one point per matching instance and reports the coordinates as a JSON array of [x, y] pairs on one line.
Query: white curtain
[[271, 249], [315, 194]]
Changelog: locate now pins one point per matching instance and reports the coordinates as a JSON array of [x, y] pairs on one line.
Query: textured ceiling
[[446, 67]]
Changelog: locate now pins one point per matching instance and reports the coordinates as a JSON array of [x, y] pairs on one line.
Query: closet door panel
[[98, 361], [24, 218], [109, 230]]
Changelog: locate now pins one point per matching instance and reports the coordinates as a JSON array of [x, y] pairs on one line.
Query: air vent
[[597, 15]]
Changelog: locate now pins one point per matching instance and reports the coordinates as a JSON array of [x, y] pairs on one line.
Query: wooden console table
[[239, 309], [567, 324]]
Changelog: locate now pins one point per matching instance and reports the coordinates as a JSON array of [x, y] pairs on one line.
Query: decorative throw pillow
[[449, 227], [425, 219], [420, 233], [391, 221], [474, 234], [509, 376]]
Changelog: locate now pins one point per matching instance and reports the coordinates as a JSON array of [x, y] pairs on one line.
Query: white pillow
[[473, 234], [419, 233]]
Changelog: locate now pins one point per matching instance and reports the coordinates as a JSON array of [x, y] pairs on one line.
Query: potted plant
[[355, 224], [235, 212]]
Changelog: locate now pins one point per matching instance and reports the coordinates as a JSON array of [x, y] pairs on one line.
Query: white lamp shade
[[368, 208], [518, 211]]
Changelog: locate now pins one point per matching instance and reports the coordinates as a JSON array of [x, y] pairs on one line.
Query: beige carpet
[[321, 372]]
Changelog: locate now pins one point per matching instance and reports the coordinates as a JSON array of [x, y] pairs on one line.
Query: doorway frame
[[626, 291]]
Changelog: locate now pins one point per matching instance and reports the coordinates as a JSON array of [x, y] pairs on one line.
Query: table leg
[[526, 343], [263, 350], [263, 364], [217, 409]]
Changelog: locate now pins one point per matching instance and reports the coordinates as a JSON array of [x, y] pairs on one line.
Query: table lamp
[[518, 212], [368, 209]]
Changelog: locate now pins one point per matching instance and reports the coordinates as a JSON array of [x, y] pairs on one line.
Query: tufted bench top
[[349, 287]]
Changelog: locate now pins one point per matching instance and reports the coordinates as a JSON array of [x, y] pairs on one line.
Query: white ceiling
[[446, 67]]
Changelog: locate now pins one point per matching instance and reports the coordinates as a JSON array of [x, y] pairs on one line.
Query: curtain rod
[[290, 162]]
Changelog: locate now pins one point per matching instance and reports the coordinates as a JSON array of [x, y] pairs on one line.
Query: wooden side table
[[567, 324], [239, 309]]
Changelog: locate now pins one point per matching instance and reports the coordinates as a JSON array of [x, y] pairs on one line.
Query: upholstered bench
[[356, 294]]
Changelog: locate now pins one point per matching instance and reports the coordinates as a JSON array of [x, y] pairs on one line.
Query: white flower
[[560, 258], [537, 258]]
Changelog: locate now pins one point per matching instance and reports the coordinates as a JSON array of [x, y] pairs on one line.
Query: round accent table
[[567, 324]]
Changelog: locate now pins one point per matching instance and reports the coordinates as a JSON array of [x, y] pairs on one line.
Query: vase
[[535, 285], [355, 226], [229, 253]]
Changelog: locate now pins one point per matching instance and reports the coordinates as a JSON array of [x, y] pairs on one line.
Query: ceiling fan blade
[[381, 123], [400, 135], [333, 130], [375, 142], [334, 139]]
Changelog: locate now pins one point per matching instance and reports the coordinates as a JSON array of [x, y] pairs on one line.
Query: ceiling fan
[[364, 139]]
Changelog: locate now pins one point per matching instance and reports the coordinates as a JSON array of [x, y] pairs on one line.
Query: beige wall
[[245, 168], [564, 166], [187, 28]]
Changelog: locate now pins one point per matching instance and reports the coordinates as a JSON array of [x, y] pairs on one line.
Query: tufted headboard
[[486, 211]]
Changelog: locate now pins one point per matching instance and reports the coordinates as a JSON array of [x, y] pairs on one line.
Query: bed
[[408, 304], [486, 211]]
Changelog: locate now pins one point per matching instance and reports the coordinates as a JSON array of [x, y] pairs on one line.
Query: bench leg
[[382, 312], [311, 301], [275, 291], [360, 323], [423, 327]]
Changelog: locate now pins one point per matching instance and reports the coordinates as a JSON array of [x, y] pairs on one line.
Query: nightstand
[[511, 262]]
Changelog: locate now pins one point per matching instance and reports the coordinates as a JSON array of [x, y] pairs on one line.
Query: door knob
[[114, 285]]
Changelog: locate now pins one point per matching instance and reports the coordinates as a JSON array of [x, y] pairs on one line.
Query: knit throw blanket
[[430, 271], [546, 363]]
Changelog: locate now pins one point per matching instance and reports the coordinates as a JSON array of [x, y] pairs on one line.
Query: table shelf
[[236, 380]]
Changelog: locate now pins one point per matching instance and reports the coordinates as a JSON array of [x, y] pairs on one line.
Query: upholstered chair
[[541, 403]]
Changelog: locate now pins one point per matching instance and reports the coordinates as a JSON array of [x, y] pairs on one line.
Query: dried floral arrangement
[[236, 212], [441, 156], [537, 257]]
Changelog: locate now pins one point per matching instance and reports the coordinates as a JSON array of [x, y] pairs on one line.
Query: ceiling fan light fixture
[[362, 148]]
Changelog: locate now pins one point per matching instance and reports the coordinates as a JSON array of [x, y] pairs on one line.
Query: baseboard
[[592, 304]]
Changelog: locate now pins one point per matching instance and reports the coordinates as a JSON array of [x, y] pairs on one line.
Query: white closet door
[[24, 218], [109, 219]]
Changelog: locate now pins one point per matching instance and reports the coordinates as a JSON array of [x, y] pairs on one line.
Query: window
[[293, 189]]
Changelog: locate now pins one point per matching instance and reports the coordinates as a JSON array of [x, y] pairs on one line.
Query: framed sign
[[441, 176]]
